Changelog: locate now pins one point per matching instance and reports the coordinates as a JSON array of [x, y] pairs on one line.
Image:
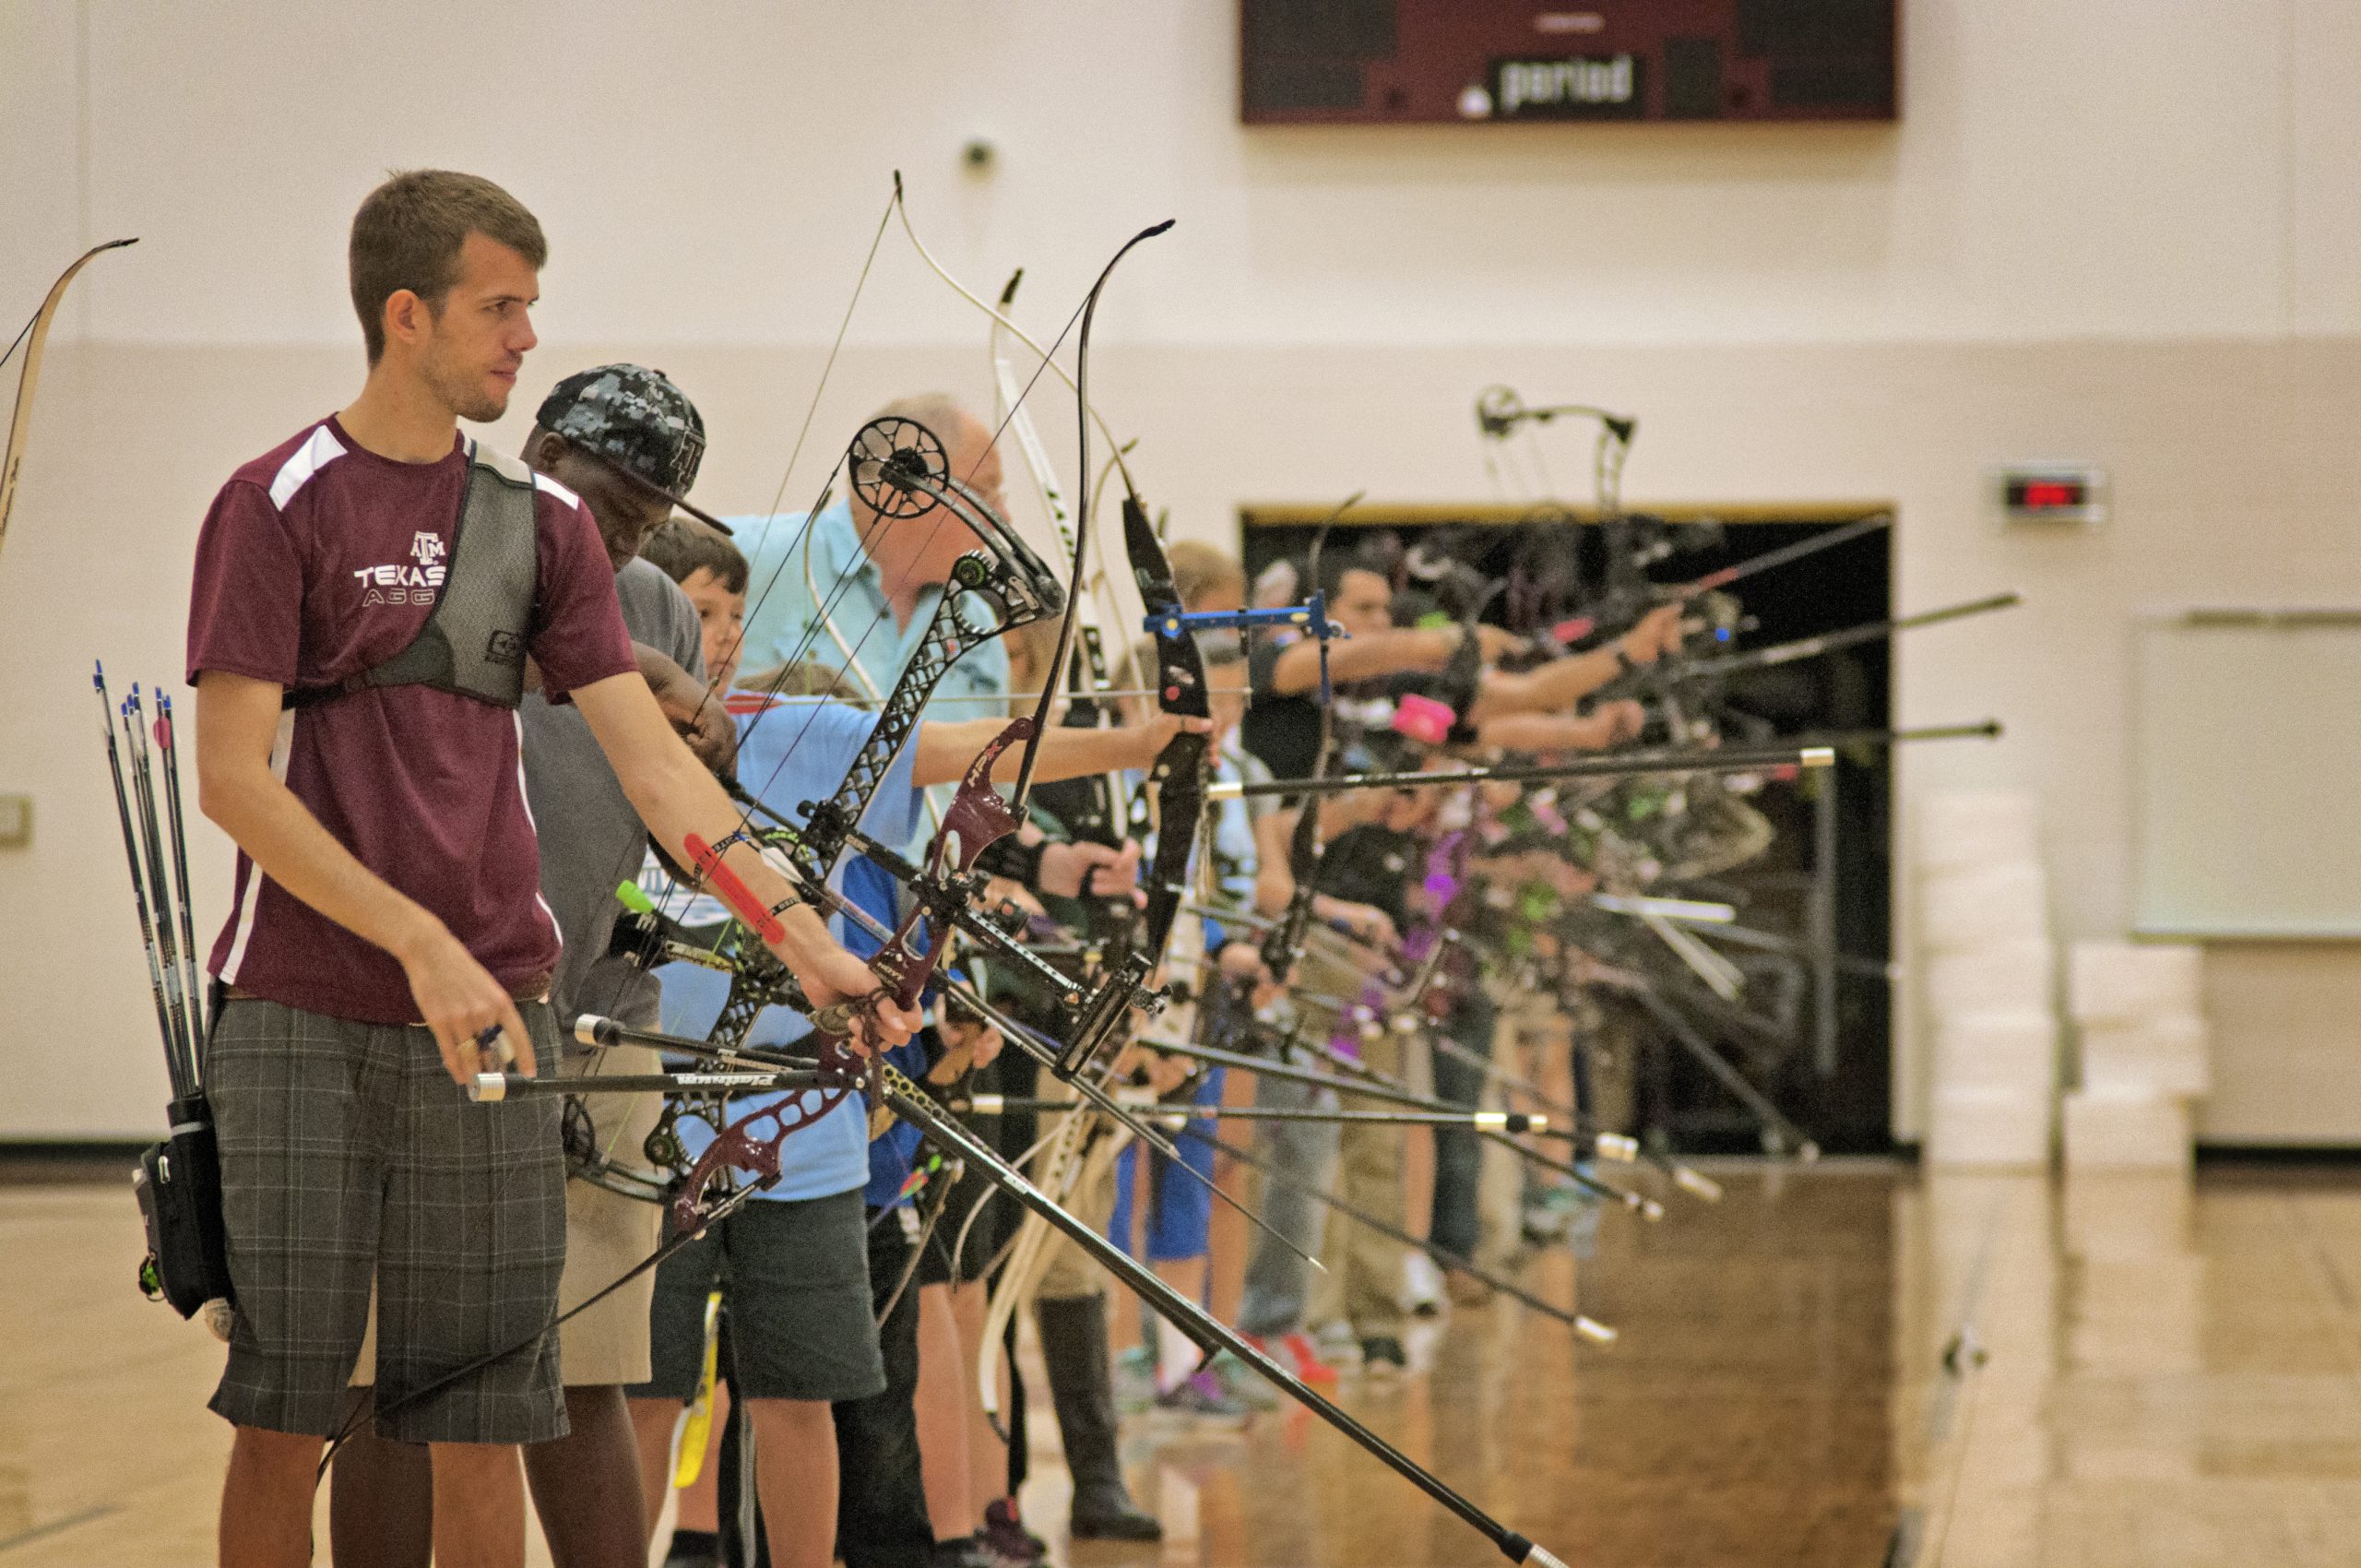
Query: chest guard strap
[[474, 639]]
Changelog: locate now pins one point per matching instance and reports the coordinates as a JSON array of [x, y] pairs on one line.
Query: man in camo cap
[[636, 422]]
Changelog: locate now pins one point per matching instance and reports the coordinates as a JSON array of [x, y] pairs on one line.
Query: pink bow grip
[[1423, 719]]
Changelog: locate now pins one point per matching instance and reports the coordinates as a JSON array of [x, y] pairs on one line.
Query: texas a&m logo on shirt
[[415, 584]]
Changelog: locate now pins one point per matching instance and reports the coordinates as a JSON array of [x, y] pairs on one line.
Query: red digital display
[[1494, 61], [2063, 494]]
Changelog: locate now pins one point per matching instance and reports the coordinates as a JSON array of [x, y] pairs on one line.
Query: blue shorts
[[1180, 1208]]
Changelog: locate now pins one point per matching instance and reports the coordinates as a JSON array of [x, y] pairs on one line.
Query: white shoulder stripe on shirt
[[309, 459], [544, 481]]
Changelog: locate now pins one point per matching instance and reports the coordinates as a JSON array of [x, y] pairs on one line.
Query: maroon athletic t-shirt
[[317, 561]]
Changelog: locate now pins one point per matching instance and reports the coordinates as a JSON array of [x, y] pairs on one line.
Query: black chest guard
[[474, 639]]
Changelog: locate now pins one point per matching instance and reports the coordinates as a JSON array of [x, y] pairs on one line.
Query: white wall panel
[[2141, 167], [2114, 230]]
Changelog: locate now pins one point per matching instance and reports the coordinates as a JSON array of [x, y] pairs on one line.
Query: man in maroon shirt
[[352, 740]]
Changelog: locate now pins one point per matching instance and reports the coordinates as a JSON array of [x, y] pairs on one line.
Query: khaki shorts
[[608, 1235]]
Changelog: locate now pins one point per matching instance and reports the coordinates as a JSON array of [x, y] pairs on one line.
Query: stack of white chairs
[[1990, 978], [2138, 1012]]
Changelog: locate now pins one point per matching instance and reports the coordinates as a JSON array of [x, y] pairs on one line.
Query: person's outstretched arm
[[676, 797]]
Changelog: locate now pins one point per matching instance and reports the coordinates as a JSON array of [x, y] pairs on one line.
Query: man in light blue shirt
[[877, 579]]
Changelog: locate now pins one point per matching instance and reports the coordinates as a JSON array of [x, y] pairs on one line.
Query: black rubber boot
[[1074, 1348]]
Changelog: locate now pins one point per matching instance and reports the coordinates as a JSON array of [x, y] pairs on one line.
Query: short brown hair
[[681, 546], [1198, 569], [804, 678], [408, 232]]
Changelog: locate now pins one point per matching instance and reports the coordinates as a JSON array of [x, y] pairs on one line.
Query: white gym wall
[[2119, 230]]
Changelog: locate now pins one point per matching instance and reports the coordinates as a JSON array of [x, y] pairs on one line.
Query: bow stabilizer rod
[[1829, 642], [1209, 1333], [1633, 764]]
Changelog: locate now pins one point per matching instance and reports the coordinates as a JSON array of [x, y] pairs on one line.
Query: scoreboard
[[1493, 62]]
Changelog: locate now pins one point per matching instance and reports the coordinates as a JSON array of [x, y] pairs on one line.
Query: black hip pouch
[[178, 1187]]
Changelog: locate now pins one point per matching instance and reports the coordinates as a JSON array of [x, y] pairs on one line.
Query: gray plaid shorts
[[348, 1154]]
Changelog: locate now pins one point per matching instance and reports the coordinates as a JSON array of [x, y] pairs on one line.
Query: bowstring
[[22, 333], [823, 618], [665, 907]]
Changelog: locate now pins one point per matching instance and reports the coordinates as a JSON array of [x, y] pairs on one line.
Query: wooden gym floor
[[2146, 1375]]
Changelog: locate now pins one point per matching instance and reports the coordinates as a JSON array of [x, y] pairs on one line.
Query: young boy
[[712, 573]]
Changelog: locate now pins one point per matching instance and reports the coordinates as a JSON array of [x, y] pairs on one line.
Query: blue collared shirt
[[795, 570], [800, 755]]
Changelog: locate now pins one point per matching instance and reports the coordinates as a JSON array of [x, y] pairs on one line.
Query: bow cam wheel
[[1498, 409], [896, 465]]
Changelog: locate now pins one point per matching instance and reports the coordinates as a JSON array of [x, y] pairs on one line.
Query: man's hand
[[1569, 880], [1241, 961], [694, 711], [460, 1000], [980, 1041], [828, 975], [1156, 732], [1618, 721], [1000, 890], [710, 732], [1500, 643], [1367, 922], [1095, 871], [1657, 634], [1241, 964]]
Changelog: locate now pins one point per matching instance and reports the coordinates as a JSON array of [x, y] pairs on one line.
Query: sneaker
[[1582, 1232], [1202, 1394], [1243, 1384], [1422, 1286], [1309, 1365], [1336, 1342], [1135, 1379], [1557, 1210], [1296, 1352], [694, 1549], [1382, 1358], [962, 1551], [1005, 1537]]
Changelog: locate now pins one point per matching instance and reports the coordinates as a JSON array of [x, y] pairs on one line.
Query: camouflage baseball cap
[[635, 420]]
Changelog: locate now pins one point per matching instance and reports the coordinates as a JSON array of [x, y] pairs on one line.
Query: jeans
[[1277, 1281], [1458, 1152]]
